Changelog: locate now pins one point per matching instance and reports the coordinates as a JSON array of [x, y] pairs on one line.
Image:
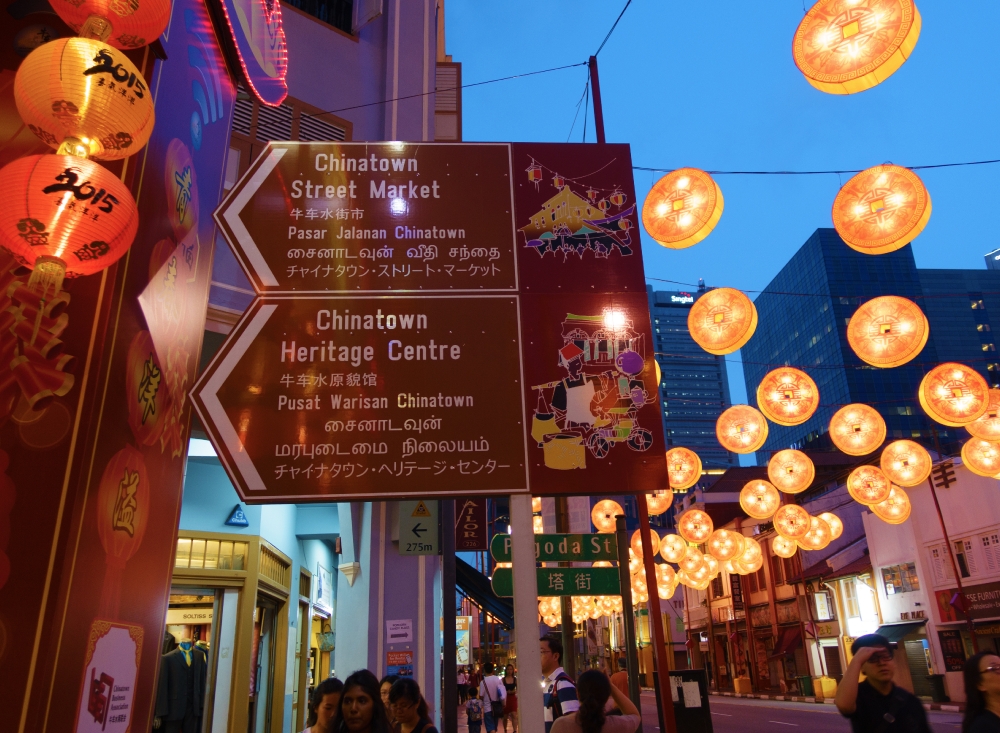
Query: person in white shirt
[[559, 697], [493, 693], [463, 685]]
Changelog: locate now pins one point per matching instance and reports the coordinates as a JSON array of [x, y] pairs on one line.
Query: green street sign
[[563, 582], [561, 547]]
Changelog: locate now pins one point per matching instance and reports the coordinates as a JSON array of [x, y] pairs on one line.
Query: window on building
[[941, 564], [337, 13], [991, 551], [761, 578], [717, 591], [851, 598], [983, 327], [965, 559], [900, 579], [977, 304], [776, 574]]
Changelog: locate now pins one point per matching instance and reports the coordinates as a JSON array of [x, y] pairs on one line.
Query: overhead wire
[[615, 25], [820, 173]]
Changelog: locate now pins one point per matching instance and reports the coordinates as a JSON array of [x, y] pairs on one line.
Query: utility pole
[[449, 675], [628, 613], [595, 85]]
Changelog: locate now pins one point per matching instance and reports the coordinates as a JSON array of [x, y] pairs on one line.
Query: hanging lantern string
[[854, 297], [968, 362], [580, 180], [818, 173]]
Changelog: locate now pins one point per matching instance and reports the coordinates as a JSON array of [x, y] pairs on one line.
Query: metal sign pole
[[529, 658], [625, 579], [449, 675]]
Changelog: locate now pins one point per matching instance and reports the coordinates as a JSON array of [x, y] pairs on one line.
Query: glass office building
[[694, 388]]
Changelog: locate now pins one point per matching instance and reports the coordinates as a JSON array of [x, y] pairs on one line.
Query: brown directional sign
[[362, 217], [326, 398]]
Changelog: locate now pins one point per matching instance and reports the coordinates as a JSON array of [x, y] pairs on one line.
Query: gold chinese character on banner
[[148, 387], [125, 505]]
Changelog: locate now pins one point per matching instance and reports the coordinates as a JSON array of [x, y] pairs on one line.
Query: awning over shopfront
[[788, 638], [895, 632], [477, 587]]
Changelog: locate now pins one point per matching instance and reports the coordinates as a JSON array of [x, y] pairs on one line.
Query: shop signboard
[[470, 524], [952, 648], [561, 547], [981, 601], [418, 528], [463, 642], [399, 663], [434, 316], [736, 585], [563, 582]]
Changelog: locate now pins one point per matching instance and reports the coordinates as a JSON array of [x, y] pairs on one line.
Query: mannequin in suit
[[180, 695]]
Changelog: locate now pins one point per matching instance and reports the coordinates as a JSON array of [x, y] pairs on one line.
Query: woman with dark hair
[[594, 688], [982, 694], [409, 707], [323, 706], [510, 702], [361, 709], [383, 688]]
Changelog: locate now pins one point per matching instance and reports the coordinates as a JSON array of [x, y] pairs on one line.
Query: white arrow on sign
[[216, 413]]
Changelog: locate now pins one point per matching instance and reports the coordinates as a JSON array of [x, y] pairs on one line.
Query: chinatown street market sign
[[436, 320]]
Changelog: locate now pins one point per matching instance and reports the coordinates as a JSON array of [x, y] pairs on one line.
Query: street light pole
[[595, 85], [628, 617]]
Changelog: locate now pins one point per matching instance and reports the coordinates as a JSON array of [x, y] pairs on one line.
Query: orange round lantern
[[682, 208], [71, 217], [695, 526], [752, 566], [85, 98], [888, 331], [954, 394], [836, 526], [906, 463], [636, 542], [536, 504], [659, 502], [868, 485], [722, 320], [784, 547], [130, 24], [665, 575], [981, 457], [857, 429], [895, 509], [818, 536], [787, 396], [759, 499], [881, 209], [791, 521], [683, 468], [987, 427], [751, 550], [741, 429], [123, 506], [712, 565], [672, 548], [537, 525], [846, 46], [791, 471], [602, 515], [693, 560], [724, 544]]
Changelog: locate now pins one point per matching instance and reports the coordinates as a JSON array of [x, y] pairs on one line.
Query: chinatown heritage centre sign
[[436, 320]]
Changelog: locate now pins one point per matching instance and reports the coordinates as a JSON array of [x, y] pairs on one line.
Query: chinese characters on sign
[[563, 582]]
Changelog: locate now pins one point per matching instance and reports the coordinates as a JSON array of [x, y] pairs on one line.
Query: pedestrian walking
[[877, 705], [559, 697], [323, 706], [982, 694], [510, 704], [463, 685], [383, 689], [594, 688], [493, 693], [409, 707], [361, 709], [474, 711], [620, 678]]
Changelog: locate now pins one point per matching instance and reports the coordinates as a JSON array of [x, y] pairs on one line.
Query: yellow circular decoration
[[987, 427], [784, 547], [906, 463], [741, 429], [868, 485], [712, 564], [659, 502], [791, 521], [888, 331], [603, 515], [836, 526], [787, 396], [672, 548], [881, 209], [692, 561], [637, 542], [665, 574], [724, 544], [981, 457], [722, 320], [682, 208], [536, 504], [818, 536], [753, 566], [751, 550], [954, 394], [791, 471], [857, 429], [895, 509], [759, 499], [695, 526], [683, 468]]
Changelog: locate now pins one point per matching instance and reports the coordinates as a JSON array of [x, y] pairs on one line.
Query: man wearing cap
[[877, 705]]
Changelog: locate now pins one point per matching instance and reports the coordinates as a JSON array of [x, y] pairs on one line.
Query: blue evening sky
[[713, 85]]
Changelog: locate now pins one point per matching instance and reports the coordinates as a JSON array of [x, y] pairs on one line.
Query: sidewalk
[[956, 707]]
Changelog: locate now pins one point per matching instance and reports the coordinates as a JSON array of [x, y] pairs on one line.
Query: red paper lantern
[[122, 23], [722, 320], [987, 427], [857, 429], [888, 331], [868, 485], [683, 468], [682, 208], [906, 463], [847, 46], [123, 505], [791, 471], [534, 172], [72, 215], [881, 209], [617, 198], [741, 429], [85, 98], [787, 396], [954, 394], [558, 181], [981, 457]]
